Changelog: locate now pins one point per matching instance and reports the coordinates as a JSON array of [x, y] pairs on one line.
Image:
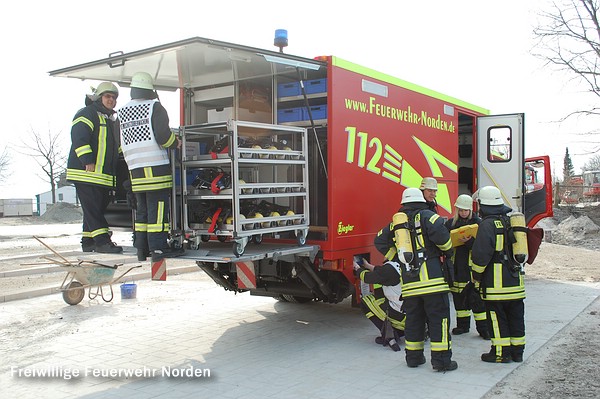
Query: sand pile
[[62, 212]]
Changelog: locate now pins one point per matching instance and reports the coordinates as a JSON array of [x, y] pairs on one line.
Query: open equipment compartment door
[[500, 154]]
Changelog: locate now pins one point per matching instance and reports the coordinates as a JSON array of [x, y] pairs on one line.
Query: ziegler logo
[[344, 229]]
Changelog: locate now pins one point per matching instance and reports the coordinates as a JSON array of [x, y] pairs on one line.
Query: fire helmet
[[489, 195], [412, 195], [142, 80], [428, 183], [464, 201], [106, 87]]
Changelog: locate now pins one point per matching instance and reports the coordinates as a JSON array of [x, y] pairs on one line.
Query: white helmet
[[464, 201], [142, 80], [490, 195], [106, 87], [428, 183], [412, 195]]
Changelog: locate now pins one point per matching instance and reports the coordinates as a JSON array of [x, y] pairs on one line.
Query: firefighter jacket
[[388, 276], [430, 238], [145, 138], [492, 258], [462, 254], [94, 140]]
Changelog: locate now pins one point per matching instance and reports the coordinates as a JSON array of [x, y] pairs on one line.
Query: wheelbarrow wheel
[[74, 293]]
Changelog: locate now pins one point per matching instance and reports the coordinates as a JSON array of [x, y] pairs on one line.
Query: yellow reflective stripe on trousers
[[497, 340], [160, 224], [414, 346], [445, 344], [98, 232], [141, 227], [374, 306]]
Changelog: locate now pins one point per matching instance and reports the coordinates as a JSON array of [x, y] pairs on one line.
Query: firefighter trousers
[[378, 310], [94, 201], [465, 301], [433, 311], [152, 220], [506, 323]]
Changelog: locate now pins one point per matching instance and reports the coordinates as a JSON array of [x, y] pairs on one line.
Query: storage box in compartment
[[290, 115], [317, 111], [315, 86], [288, 89]]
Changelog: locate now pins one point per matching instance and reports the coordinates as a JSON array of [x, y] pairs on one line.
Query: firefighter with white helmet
[[424, 284], [145, 140], [92, 164], [429, 188], [384, 306], [465, 297], [501, 283]]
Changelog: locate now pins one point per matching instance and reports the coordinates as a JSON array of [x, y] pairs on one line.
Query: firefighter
[[464, 293], [424, 285], [92, 165], [145, 140], [429, 189], [502, 285], [384, 306]]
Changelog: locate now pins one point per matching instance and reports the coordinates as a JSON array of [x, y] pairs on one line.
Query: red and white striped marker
[[159, 270], [246, 275]]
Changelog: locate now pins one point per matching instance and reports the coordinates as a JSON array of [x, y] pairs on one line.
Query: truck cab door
[[501, 163]]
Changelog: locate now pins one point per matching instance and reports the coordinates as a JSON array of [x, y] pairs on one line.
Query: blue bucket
[[128, 291]]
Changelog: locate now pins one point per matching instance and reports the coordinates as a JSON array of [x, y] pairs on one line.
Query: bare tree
[[569, 39], [592, 164], [47, 152], [5, 160]]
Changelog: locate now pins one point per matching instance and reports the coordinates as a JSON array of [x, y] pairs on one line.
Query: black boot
[[516, 353], [462, 325], [415, 358], [88, 245], [446, 367], [109, 248], [159, 254], [492, 357]]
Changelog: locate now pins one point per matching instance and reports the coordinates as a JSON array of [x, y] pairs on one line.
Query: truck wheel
[[74, 293], [296, 299], [204, 237], [280, 298]]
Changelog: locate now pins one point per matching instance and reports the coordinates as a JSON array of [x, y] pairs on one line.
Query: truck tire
[[296, 299]]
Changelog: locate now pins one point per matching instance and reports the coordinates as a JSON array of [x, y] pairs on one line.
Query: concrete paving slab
[[240, 346]]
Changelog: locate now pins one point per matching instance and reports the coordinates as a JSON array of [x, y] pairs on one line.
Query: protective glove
[[131, 200]]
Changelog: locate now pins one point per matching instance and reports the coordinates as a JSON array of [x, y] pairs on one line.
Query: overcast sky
[[477, 51]]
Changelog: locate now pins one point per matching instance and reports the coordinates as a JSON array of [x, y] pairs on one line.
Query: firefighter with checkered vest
[[145, 140], [501, 282], [424, 281]]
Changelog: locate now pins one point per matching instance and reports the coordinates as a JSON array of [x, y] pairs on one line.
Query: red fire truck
[[317, 152]]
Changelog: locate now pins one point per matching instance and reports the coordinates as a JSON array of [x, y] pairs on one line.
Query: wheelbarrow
[[82, 274], [94, 275]]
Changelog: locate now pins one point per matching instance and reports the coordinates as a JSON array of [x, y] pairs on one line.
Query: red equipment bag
[[535, 237]]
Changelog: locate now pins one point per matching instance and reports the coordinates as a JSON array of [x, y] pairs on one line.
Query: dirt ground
[[568, 366]]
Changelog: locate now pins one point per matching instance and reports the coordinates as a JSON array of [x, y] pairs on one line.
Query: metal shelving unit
[[268, 191]]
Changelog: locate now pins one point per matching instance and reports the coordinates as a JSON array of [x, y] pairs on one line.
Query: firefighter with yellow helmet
[[501, 281], [424, 285], [465, 294], [92, 164]]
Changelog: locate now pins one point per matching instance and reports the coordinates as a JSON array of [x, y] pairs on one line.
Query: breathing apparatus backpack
[[405, 233], [515, 252]]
